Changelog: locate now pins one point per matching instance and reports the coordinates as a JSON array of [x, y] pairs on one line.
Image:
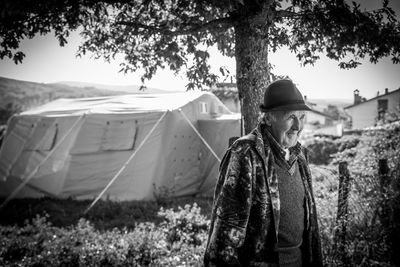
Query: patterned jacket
[[246, 211]]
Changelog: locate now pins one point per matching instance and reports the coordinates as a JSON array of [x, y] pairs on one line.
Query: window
[[203, 108], [44, 137], [382, 108], [118, 135], [98, 134], [382, 104]]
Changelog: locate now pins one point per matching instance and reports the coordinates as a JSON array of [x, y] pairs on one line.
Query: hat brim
[[290, 107]]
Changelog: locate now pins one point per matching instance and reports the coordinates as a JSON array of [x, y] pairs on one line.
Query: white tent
[[127, 147]]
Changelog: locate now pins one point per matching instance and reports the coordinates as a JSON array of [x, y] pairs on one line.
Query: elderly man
[[264, 211]]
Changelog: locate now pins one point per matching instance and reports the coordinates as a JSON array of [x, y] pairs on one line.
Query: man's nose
[[296, 124]]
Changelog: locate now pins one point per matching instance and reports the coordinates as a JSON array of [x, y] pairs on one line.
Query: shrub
[[38, 243], [185, 226], [372, 204], [322, 149]]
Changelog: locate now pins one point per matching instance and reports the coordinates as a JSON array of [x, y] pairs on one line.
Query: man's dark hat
[[283, 95]]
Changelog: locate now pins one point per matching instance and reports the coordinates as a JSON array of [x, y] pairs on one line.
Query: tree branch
[[219, 24], [285, 13]]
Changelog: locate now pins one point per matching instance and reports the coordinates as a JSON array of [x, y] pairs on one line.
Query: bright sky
[[47, 62]]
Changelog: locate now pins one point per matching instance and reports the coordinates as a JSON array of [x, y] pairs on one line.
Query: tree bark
[[252, 71]]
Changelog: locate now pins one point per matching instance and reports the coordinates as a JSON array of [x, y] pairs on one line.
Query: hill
[[26, 95], [131, 89]]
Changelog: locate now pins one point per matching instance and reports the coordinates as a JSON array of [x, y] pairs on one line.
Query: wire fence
[[359, 216]]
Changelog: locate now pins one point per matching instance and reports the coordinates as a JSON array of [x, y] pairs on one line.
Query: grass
[[105, 215]]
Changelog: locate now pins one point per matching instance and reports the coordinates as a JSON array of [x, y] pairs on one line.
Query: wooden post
[[342, 213], [384, 180], [385, 206], [394, 236], [383, 171]]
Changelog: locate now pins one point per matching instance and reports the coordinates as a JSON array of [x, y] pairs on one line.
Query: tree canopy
[[176, 34]]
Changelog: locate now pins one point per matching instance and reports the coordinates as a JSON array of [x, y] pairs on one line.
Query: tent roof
[[134, 103]]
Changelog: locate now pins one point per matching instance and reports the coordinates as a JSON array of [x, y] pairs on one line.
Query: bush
[[322, 149], [372, 202], [178, 240]]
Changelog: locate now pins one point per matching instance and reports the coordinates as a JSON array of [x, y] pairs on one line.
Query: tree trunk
[[252, 72]]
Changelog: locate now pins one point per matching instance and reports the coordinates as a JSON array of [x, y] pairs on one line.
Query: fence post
[[384, 180], [383, 172], [342, 213], [385, 209], [395, 206]]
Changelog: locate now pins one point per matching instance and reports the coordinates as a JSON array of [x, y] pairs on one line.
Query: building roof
[[372, 99], [321, 113]]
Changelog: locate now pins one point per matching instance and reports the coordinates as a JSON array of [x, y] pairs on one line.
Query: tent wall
[[179, 170], [19, 159], [173, 161], [217, 134], [89, 172]]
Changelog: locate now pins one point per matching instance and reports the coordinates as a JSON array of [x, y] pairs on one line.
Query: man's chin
[[291, 143]]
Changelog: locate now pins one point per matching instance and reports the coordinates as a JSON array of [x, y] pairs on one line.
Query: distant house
[[366, 113], [315, 117], [228, 94]]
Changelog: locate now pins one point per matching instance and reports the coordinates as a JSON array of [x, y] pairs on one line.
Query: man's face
[[286, 127]]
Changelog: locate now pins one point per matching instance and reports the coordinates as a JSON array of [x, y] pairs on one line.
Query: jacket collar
[[272, 179]]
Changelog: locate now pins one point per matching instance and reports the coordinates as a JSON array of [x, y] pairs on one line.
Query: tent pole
[[201, 137], [30, 176], [126, 163]]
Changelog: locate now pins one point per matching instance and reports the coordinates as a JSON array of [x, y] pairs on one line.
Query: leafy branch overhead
[[176, 34]]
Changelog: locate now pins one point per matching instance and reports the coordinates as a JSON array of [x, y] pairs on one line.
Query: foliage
[[389, 116], [105, 215], [322, 148], [375, 143], [177, 236], [226, 92], [163, 194], [40, 244], [156, 34], [325, 185], [185, 225], [145, 234], [373, 199]]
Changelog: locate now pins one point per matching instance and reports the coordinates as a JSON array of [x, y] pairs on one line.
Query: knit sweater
[[291, 226]]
